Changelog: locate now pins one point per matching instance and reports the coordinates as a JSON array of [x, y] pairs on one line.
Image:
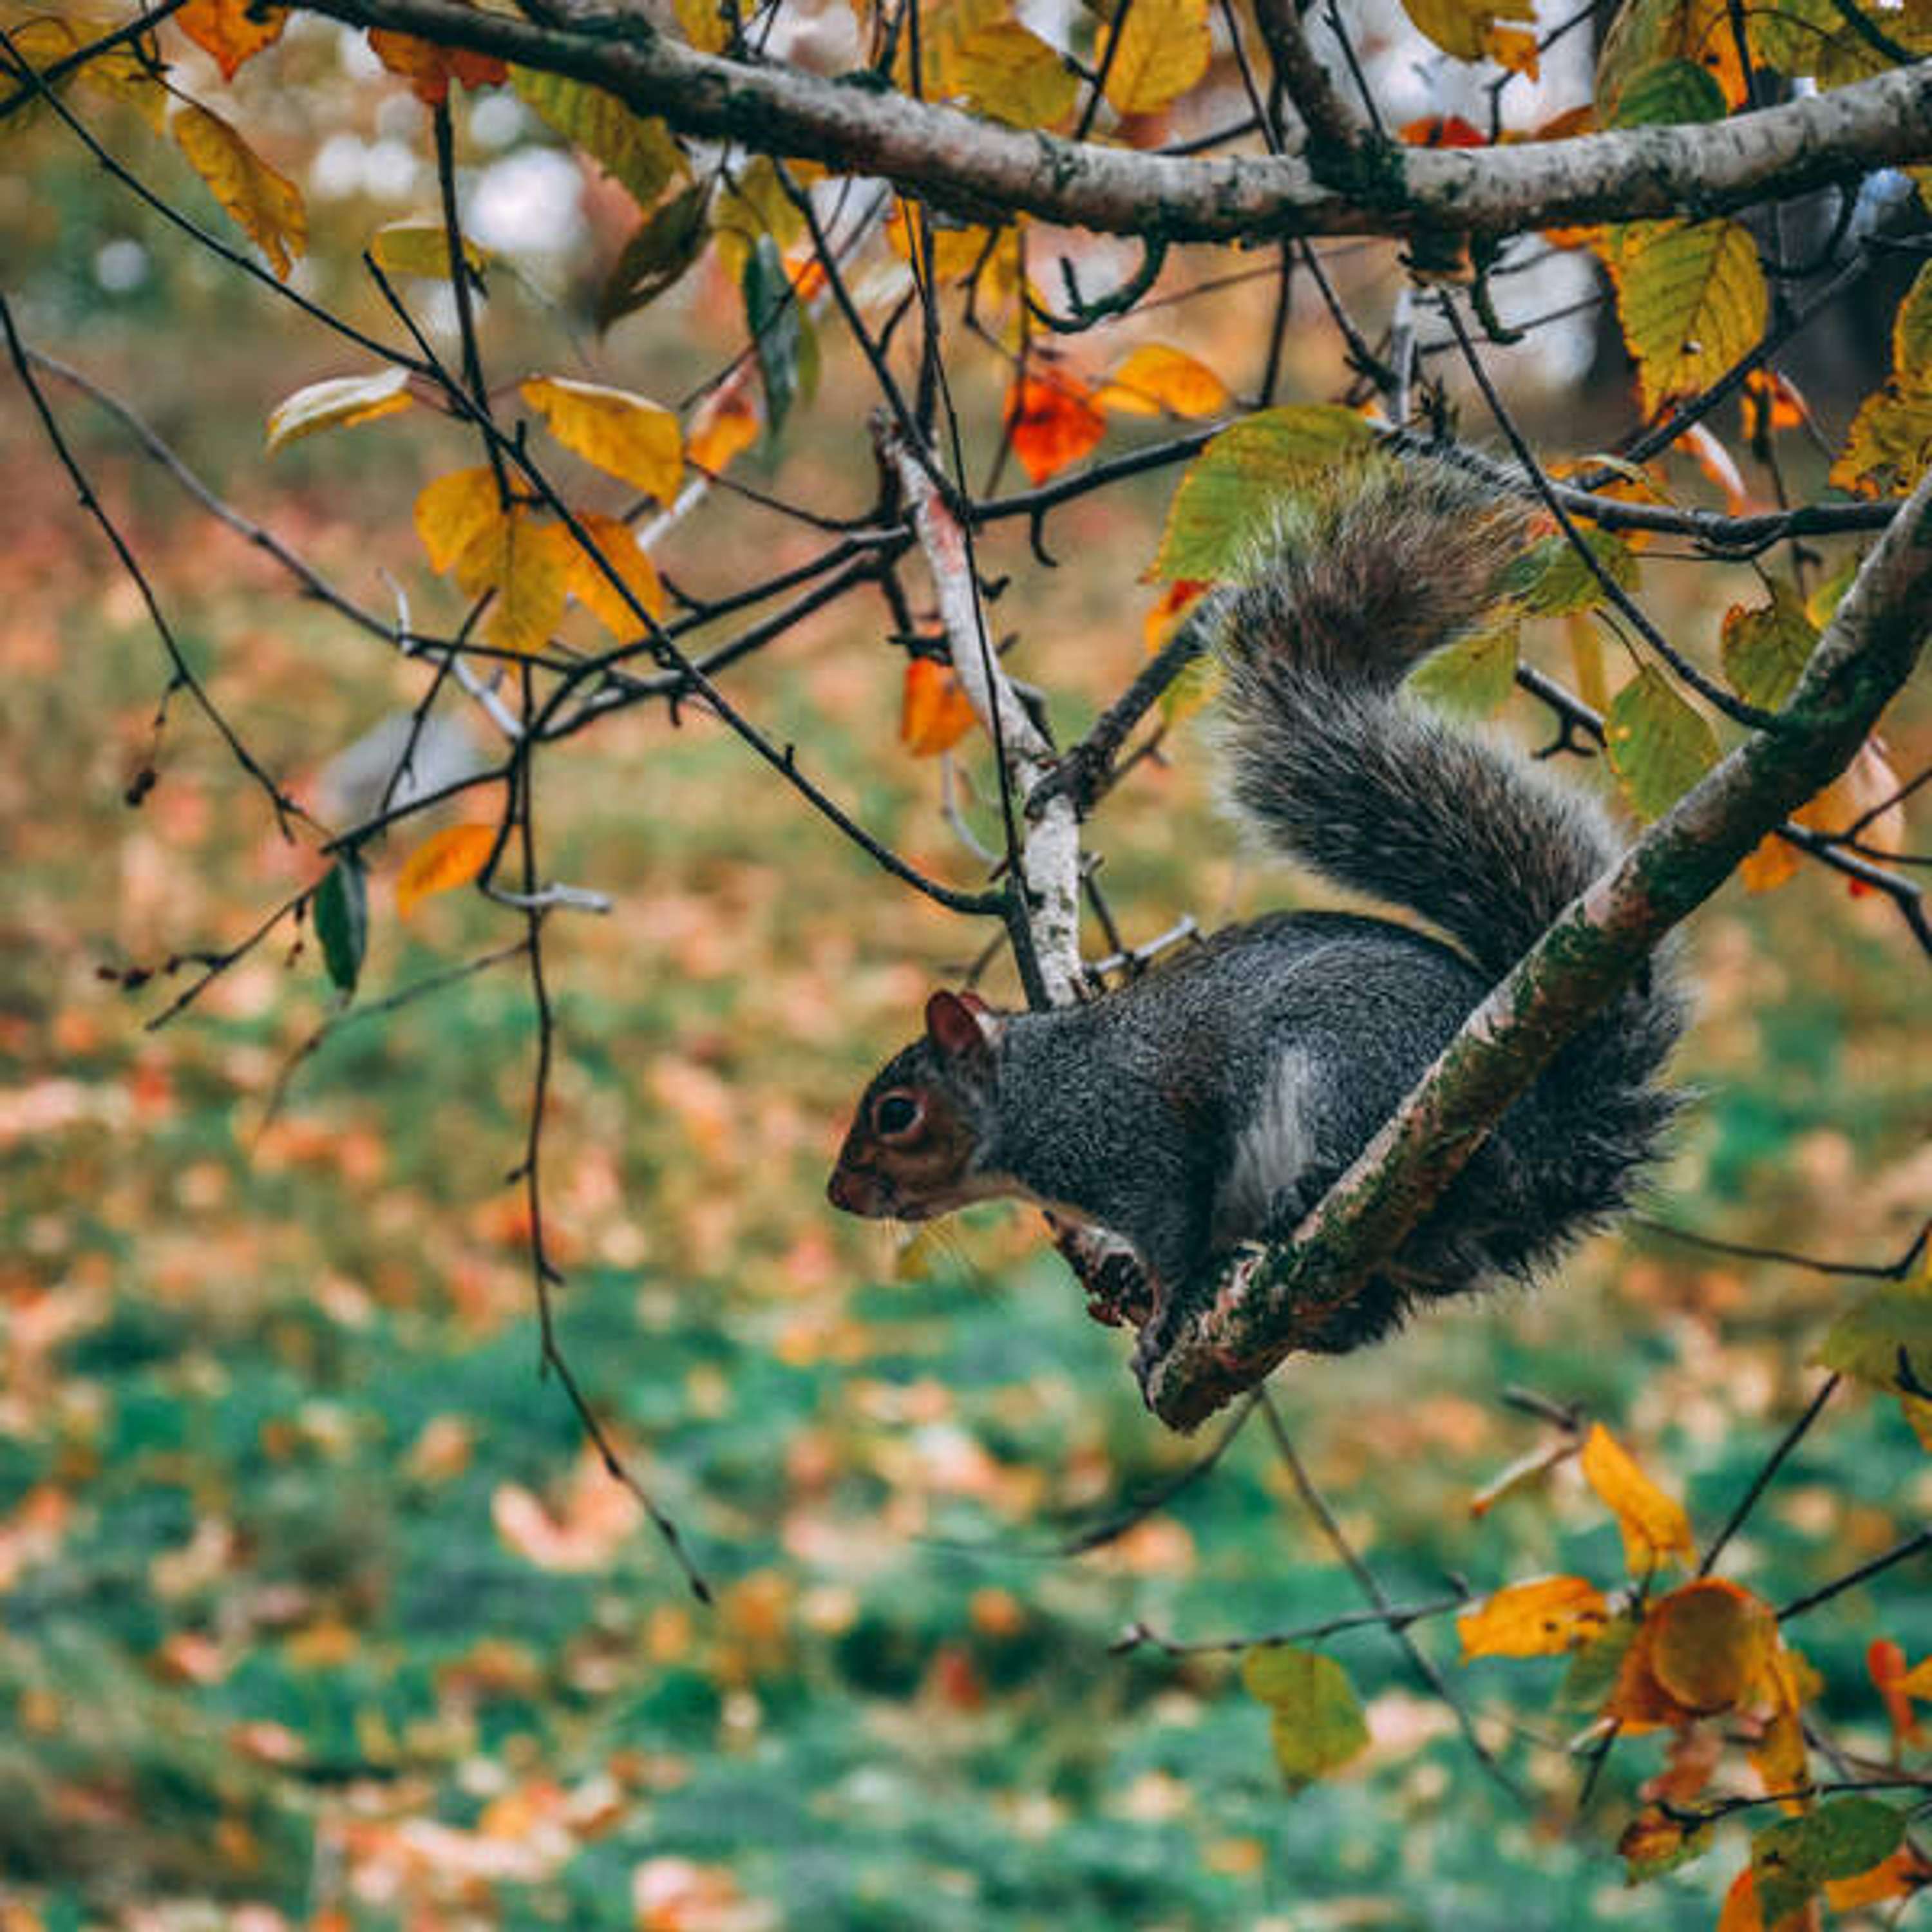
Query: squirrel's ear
[[961, 1026]]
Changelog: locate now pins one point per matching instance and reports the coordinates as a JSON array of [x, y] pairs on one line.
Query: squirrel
[[1213, 1102]]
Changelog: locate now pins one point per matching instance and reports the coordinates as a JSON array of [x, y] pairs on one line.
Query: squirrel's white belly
[[1270, 1152]]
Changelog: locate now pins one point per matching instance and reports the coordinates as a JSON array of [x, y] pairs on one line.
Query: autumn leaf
[[1155, 377], [1542, 1619], [1654, 1525], [1163, 51], [340, 403], [429, 69], [1007, 71], [625, 435], [527, 561], [1552, 578], [1766, 648], [1462, 27], [726, 425], [655, 258], [118, 73], [1692, 298], [636, 151], [453, 510], [1881, 1338], [1796, 1857], [448, 858], [422, 248], [1885, 1664], [1473, 678], [1052, 423], [1440, 130], [1654, 1843], [266, 206], [1233, 485], [1645, 32], [1712, 1644], [934, 712], [592, 588], [232, 31], [1660, 745], [1316, 1722]]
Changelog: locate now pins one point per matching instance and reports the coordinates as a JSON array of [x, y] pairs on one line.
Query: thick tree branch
[[955, 158], [1598, 945]]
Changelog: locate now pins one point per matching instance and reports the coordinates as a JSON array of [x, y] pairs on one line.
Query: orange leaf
[[1155, 377], [1773, 402], [1166, 609], [1543, 1618], [1898, 1876], [1052, 423], [1741, 1913], [935, 714], [724, 427], [1885, 1661], [1513, 48], [452, 857], [595, 592], [1712, 1645], [1441, 131], [430, 69], [232, 31], [1654, 1525], [1771, 863]]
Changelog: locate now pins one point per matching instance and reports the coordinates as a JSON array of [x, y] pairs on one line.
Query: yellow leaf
[[595, 592], [450, 858], [1890, 442], [726, 426], [453, 510], [1543, 1618], [622, 434], [1155, 377], [232, 31], [1007, 71], [421, 248], [704, 24], [1163, 50], [1691, 297], [340, 403], [1461, 27], [1654, 1525], [118, 72], [265, 206], [527, 561], [1645, 32]]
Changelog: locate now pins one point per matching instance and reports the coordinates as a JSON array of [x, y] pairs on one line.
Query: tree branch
[[1597, 947], [953, 157]]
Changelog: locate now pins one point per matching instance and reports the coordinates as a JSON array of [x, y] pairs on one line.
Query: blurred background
[[315, 1610]]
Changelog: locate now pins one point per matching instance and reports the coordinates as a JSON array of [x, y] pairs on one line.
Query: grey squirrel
[[1214, 1101]]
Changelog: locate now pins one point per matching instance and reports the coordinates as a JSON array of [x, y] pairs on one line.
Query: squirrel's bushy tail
[[1359, 579]]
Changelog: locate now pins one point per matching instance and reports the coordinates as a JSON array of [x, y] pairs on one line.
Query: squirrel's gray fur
[[1216, 1100]]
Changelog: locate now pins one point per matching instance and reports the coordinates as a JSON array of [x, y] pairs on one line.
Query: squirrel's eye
[[895, 1116]]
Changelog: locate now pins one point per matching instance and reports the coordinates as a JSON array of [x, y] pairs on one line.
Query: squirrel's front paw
[[1119, 1292]]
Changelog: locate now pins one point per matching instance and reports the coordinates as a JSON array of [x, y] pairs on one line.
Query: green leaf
[[1796, 1857], [657, 256], [1234, 489], [1876, 1339], [1659, 744], [635, 150], [1474, 677], [342, 921], [1666, 92], [1318, 1725], [771, 314], [1551, 578], [1765, 650]]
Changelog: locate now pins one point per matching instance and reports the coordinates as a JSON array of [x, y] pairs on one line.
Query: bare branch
[[952, 157]]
